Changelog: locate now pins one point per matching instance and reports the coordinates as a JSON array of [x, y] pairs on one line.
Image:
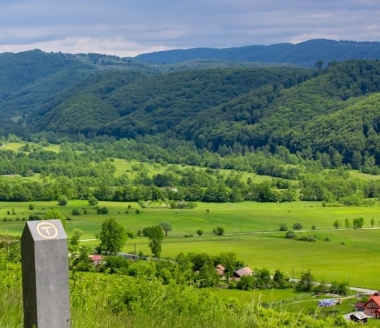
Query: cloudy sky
[[131, 27]]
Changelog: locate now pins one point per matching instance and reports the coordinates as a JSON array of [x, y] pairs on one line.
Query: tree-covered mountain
[[329, 112], [302, 54], [131, 104], [332, 113]]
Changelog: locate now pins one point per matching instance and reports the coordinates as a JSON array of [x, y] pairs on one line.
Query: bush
[[103, 210], [63, 200], [219, 231], [199, 232], [92, 201], [75, 211], [282, 227], [290, 235], [297, 226], [131, 234], [307, 238], [31, 207]]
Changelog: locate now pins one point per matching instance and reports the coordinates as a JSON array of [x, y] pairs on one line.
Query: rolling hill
[[331, 111]]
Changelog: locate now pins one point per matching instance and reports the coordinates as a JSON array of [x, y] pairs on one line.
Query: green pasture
[[364, 176], [250, 232], [12, 145], [128, 167]]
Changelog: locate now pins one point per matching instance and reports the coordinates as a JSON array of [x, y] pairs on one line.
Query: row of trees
[[113, 237]]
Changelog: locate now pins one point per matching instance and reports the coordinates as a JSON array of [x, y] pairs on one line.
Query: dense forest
[[329, 113]]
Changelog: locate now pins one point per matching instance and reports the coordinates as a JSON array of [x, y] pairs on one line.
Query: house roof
[[375, 299], [359, 304], [359, 315], [96, 258], [243, 272], [220, 269]]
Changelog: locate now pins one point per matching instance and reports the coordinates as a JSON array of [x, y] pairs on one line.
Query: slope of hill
[[151, 104], [236, 109], [303, 54], [219, 109]]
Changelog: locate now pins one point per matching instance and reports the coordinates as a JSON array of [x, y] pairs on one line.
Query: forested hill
[[302, 54], [332, 113], [329, 112]]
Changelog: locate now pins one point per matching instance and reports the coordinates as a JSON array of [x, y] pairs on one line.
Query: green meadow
[[250, 231]]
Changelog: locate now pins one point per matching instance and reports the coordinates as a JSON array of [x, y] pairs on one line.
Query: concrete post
[[45, 275]]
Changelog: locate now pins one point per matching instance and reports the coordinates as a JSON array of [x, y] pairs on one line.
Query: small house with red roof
[[96, 259], [372, 307]]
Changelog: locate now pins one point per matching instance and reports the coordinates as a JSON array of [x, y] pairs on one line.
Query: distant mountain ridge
[[330, 111], [302, 54]]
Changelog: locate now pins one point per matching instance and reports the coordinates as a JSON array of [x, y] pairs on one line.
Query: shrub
[[131, 234], [307, 238], [92, 201], [283, 227], [297, 226], [62, 200], [219, 231], [75, 211], [31, 207], [290, 235], [199, 232], [103, 210]]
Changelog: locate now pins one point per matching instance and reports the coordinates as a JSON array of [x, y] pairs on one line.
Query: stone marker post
[[45, 275]]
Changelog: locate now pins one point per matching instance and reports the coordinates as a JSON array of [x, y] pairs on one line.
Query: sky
[[127, 28]]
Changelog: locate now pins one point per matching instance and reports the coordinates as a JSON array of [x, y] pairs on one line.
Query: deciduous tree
[[166, 227], [112, 236], [155, 235]]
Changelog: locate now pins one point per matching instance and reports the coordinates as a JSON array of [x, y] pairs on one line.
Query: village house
[[96, 259], [359, 307], [220, 269], [243, 272], [359, 317], [372, 307]]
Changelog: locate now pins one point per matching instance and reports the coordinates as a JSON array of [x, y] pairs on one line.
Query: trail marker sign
[[45, 275]]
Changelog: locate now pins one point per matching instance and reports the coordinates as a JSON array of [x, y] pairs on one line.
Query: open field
[[250, 232], [129, 167]]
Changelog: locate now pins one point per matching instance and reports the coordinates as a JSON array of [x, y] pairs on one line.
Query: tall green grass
[[99, 300]]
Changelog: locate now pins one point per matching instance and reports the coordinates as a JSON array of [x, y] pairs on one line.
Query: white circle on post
[[47, 230]]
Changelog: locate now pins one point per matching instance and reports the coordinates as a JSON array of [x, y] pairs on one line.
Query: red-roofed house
[[372, 307], [96, 259]]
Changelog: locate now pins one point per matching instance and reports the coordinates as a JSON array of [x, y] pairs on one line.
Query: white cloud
[[126, 28], [111, 46]]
